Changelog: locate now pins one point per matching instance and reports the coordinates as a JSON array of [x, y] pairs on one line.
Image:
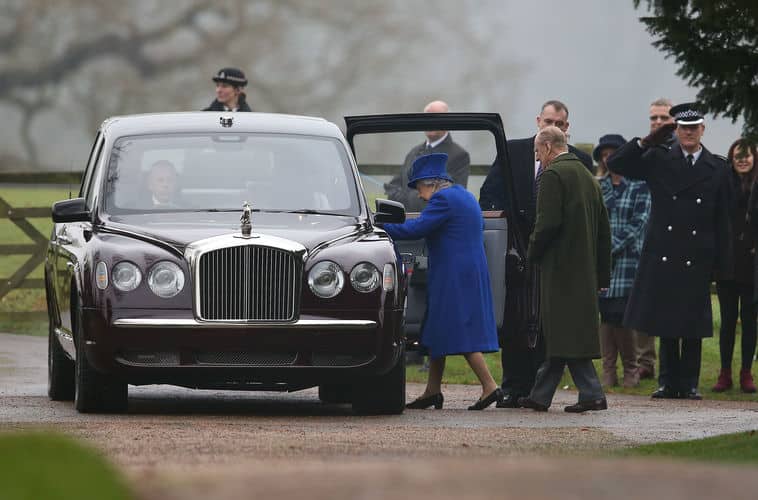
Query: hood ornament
[[246, 226]]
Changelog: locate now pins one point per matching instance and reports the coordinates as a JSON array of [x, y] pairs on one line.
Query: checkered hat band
[[683, 115]]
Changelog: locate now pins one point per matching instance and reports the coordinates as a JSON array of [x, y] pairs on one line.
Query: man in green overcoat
[[571, 245]]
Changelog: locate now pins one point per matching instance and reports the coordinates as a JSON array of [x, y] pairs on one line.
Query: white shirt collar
[[695, 155], [438, 141]]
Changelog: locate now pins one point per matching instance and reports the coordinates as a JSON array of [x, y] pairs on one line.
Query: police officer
[[230, 83], [687, 241]]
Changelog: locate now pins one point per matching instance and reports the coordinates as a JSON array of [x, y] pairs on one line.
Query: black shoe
[[691, 394], [582, 406], [529, 403], [509, 401], [435, 400], [492, 397], [664, 392]]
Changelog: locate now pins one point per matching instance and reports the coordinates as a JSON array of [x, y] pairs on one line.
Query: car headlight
[[165, 279], [326, 279], [126, 276], [365, 277]]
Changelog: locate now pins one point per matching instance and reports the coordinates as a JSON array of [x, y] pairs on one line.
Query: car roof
[[210, 121]]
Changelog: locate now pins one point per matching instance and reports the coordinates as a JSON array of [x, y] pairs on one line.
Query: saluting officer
[[687, 241]]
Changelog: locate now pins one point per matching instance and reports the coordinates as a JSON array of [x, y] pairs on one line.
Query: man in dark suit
[[437, 141], [520, 361], [688, 241]]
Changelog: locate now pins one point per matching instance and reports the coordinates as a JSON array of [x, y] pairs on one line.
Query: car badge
[[246, 226], [226, 121]]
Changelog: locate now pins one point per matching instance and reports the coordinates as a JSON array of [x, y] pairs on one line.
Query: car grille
[[248, 283], [246, 358]]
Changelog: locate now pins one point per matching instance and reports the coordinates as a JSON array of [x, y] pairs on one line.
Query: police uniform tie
[[690, 160]]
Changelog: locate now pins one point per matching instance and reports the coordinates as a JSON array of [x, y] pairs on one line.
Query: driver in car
[[161, 186]]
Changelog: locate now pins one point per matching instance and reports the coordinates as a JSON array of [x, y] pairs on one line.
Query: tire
[[94, 392], [384, 394], [60, 369], [335, 393]]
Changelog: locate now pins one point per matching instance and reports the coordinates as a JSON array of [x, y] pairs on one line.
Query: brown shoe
[[582, 406], [610, 379], [646, 372]]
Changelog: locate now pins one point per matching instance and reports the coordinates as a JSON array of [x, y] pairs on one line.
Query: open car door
[[384, 147]]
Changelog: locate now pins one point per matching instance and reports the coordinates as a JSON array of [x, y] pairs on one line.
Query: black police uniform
[[688, 241]]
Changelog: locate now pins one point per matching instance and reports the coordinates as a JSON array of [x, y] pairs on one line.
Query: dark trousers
[[736, 299], [549, 376], [520, 364], [681, 359]]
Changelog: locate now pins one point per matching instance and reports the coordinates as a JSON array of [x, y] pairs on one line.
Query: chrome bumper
[[325, 324]]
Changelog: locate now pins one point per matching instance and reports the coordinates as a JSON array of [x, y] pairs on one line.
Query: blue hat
[[687, 114], [608, 141], [431, 166]]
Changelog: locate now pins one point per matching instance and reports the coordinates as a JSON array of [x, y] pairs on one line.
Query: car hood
[[181, 229]]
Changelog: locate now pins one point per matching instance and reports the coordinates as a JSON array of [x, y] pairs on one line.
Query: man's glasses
[[659, 118]]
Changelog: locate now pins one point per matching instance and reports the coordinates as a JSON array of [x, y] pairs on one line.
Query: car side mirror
[[74, 210], [389, 212]]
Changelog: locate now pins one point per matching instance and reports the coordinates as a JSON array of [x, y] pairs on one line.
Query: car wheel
[[94, 392], [335, 393], [60, 369], [384, 394]]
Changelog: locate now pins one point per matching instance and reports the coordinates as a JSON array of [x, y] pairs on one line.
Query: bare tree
[[87, 59]]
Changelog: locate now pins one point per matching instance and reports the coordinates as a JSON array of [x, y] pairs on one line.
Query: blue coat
[[459, 317]]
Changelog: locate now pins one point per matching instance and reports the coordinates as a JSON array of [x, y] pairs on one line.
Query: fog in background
[[65, 65]]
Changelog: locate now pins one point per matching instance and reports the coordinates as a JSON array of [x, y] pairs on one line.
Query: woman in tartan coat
[[628, 205]]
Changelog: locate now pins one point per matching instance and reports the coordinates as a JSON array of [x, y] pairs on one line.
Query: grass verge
[[50, 466], [731, 448]]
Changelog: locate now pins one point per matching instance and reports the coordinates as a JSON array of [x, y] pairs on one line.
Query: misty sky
[[602, 66]]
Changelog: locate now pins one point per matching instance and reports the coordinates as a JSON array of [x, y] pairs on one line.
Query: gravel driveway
[[178, 443]]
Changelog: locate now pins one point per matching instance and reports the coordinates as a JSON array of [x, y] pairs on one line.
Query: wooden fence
[[36, 250]]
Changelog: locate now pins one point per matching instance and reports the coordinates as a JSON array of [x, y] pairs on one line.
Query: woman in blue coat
[[459, 317]]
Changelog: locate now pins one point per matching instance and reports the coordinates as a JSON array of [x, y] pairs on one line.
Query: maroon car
[[224, 252]]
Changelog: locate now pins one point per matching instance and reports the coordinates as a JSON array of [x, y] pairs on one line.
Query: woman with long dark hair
[[736, 295]]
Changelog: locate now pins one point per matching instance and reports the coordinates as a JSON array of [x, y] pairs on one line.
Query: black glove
[[659, 136]]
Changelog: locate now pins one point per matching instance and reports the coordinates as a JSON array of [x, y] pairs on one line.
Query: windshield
[[272, 172]]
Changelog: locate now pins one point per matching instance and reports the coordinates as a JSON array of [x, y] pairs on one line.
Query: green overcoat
[[571, 245]]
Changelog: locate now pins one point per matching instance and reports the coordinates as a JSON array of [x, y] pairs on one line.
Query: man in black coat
[[437, 141], [645, 344], [688, 240], [520, 361]]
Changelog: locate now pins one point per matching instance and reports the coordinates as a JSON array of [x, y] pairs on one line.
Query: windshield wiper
[[310, 211], [224, 210]]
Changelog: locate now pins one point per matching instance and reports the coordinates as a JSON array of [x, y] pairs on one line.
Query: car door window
[[384, 161], [87, 190]]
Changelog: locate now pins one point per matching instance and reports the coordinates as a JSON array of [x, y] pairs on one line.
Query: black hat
[[687, 114], [232, 76], [608, 141]]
